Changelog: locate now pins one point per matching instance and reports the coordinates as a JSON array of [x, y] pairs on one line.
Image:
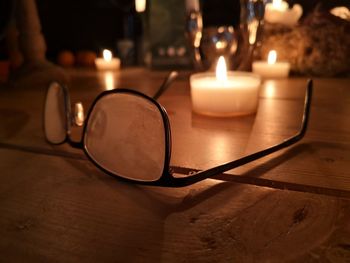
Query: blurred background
[[96, 24]]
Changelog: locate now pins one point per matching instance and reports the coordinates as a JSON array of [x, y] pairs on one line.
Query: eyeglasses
[[127, 135]]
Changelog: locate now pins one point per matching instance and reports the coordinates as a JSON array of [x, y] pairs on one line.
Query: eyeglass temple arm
[[252, 157], [165, 85]]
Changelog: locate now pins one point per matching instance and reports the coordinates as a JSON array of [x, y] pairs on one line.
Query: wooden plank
[[321, 160], [58, 208], [73, 212]]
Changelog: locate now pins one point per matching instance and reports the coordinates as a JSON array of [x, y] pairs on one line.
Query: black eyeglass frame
[[167, 179]]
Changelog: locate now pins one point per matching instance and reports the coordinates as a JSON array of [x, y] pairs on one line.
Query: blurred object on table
[[167, 41], [35, 70], [234, 34], [126, 51], [193, 31], [216, 42], [66, 58], [85, 58], [319, 46]]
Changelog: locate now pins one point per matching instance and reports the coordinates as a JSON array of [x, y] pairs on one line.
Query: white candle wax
[[276, 70], [278, 12], [107, 62], [236, 95], [271, 68], [102, 64]]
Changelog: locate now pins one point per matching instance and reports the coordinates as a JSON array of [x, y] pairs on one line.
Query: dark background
[[92, 24], [87, 24]]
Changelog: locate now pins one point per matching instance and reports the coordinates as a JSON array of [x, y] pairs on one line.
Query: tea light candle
[[271, 68], [107, 62], [278, 12], [225, 93]]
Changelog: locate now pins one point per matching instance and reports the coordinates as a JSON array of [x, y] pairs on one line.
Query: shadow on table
[[253, 176], [149, 207]]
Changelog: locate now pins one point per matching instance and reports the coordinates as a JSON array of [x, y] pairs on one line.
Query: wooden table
[[293, 206]]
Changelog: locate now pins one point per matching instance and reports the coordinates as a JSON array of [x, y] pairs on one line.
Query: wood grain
[[58, 207]]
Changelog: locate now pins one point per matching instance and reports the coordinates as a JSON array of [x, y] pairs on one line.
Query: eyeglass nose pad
[[79, 116]]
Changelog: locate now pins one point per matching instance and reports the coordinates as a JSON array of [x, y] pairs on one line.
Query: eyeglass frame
[[167, 179]]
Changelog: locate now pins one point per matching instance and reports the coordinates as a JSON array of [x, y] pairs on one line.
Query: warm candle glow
[[252, 30], [280, 5], [107, 55], [270, 89], [272, 57], [276, 3], [341, 11], [109, 81], [221, 70], [221, 44], [140, 6], [79, 114], [219, 146]]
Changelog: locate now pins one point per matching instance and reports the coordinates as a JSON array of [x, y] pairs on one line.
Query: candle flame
[[107, 55], [272, 57], [279, 5], [276, 3], [221, 70], [140, 6]]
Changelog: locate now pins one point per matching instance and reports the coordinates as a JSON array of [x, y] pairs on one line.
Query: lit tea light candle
[[224, 93], [108, 62], [271, 68], [279, 12]]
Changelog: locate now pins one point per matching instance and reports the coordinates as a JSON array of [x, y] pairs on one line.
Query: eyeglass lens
[[125, 135]]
